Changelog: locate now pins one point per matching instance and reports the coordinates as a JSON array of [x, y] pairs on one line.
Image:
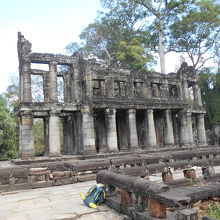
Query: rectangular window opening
[[173, 91], [60, 89], [138, 89], [40, 66], [37, 91], [98, 86], [119, 88]]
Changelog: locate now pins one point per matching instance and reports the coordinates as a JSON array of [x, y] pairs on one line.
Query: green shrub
[[214, 210]]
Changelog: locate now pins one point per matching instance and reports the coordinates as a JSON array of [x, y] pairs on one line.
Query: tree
[[8, 132], [197, 33], [11, 95], [115, 38], [164, 13], [177, 25], [210, 90], [157, 16]]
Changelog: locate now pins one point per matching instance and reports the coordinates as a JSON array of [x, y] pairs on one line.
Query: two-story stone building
[[107, 110]]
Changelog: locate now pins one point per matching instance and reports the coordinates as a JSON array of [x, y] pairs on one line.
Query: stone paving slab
[[52, 203]]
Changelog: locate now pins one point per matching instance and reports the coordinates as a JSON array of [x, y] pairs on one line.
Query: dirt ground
[[204, 206]]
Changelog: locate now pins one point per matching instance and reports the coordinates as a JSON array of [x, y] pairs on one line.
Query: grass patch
[[214, 210]]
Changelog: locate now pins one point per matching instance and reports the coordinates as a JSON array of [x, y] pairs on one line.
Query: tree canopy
[[8, 132], [117, 38], [197, 33], [128, 31], [210, 89]]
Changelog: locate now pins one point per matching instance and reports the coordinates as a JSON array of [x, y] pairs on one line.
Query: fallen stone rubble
[[46, 173]]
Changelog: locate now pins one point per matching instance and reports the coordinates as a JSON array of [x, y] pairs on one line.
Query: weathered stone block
[[156, 208], [5, 174], [20, 173], [84, 178], [187, 214]]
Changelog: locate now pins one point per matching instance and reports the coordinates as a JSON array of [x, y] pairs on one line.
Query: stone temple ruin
[[107, 110]]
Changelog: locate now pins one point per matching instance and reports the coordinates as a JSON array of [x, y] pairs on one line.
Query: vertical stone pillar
[[88, 131], [184, 135], [112, 141], [200, 125], [175, 128], [53, 81], [190, 131], [67, 87], [46, 136], [54, 134], [26, 137], [46, 88], [180, 91], [133, 140], [26, 81], [168, 131], [151, 134], [88, 81], [197, 95], [185, 90]]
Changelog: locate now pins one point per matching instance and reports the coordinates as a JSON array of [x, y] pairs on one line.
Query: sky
[[48, 24]]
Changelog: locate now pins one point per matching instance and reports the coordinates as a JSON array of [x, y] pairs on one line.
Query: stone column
[[151, 134], [200, 125], [26, 137], [53, 81], [185, 90], [67, 87], [112, 141], [180, 91], [184, 135], [88, 81], [168, 131], [54, 134], [26, 81], [46, 136], [197, 95], [133, 139], [88, 131], [175, 129], [190, 131], [46, 88]]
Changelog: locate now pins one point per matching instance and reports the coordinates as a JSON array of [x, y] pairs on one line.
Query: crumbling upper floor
[[86, 82]]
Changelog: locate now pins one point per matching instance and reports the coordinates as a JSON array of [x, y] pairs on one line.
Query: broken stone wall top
[[86, 82]]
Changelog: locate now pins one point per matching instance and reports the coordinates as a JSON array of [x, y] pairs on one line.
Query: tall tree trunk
[[161, 53]]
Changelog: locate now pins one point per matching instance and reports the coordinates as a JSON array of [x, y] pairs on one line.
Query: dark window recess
[[156, 90], [138, 89], [173, 91], [98, 87], [119, 88]]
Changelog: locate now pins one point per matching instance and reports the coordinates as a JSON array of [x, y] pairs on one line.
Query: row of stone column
[[172, 134]]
